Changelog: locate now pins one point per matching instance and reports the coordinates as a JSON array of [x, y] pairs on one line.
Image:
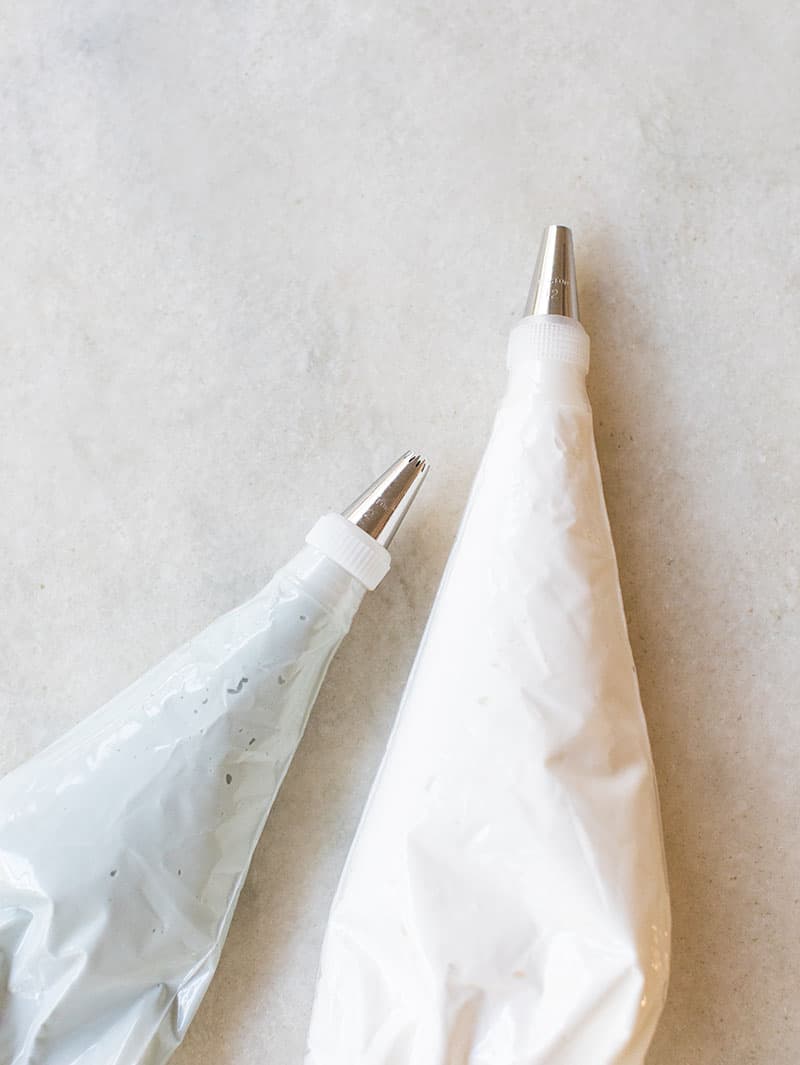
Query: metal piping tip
[[553, 289], [380, 510]]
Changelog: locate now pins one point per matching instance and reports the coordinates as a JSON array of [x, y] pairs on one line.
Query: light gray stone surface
[[253, 251]]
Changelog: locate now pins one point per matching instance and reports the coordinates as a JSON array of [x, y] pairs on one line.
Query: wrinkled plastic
[[124, 846], [505, 900]]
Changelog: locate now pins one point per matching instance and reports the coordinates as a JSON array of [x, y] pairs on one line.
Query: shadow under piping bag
[[125, 844]]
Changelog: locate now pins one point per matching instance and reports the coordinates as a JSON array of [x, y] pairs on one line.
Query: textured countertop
[[252, 252]]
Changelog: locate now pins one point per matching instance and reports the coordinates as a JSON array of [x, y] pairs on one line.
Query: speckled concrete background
[[251, 252]]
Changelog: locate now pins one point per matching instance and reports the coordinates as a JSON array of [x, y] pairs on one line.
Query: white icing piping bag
[[124, 845], [505, 899]]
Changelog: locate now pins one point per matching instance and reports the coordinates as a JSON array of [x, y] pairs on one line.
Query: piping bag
[[125, 844], [505, 899]]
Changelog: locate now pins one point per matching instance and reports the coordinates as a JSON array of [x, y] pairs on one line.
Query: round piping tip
[[554, 289]]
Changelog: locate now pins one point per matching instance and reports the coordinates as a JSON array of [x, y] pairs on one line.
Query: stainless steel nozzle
[[380, 510], [553, 289]]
